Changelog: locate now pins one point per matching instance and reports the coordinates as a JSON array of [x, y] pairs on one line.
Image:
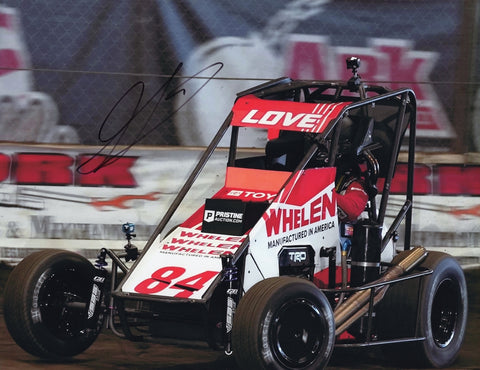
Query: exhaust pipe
[[357, 305]]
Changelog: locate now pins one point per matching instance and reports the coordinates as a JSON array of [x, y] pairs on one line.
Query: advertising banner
[[105, 104], [50, 200]]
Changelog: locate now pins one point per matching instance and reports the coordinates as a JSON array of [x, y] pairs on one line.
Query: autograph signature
[[166, 92]]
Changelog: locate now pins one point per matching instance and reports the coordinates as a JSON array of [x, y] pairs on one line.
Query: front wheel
[[47, 301], [283, 323]]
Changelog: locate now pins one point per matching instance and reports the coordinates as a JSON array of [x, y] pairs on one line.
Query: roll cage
[[393, 111], [382, 120], [385, 117]]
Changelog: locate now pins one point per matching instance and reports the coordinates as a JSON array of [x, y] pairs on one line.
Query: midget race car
[[268, 269]]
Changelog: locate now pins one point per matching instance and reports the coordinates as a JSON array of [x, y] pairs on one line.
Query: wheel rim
[[297, 333], [62, 298], [445, 312]]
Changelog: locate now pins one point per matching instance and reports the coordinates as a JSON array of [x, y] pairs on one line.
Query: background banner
[[158, 77], [46, 203]]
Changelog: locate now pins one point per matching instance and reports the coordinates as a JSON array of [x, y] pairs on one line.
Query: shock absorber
[[230, 272], [98, 282], [365, 252]]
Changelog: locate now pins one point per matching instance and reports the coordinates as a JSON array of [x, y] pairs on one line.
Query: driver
[[351, 197], [350, 184], [286, 151]]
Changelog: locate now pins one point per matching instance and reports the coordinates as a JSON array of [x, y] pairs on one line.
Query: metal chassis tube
[[372, 287]]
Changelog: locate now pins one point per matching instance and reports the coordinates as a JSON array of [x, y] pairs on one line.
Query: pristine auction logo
[[221, 216], [209, 216]]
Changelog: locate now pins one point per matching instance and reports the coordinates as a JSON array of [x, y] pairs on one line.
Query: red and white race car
[[285, 262]]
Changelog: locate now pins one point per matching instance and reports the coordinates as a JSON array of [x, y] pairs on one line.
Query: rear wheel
[[46, 301], [283, 323], [442, 311]]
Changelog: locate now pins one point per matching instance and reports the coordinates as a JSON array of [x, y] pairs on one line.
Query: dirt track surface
[[111, 352]]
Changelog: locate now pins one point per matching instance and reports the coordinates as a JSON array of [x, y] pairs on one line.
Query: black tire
[[283, 323], [442, 313], [35, 304]]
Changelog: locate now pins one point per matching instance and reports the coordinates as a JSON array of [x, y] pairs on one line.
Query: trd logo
[[296, 256]]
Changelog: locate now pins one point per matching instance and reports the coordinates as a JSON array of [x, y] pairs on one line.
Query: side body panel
[[182, 265], [186, 262], [304, 213]]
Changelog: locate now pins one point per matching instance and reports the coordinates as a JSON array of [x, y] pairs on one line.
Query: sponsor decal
[[221, 216], [297, 236], [285, 218], [95, 297], [231, 307], [224, 216], [283, 115], [284, 119], [297, 256], [200, 243], [251, 195], [273, 243], [99, 279]]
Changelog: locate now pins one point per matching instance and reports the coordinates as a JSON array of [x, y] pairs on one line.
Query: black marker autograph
[[164, 93]]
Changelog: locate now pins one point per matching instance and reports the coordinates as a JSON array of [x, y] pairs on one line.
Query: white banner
[[48, 203]]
